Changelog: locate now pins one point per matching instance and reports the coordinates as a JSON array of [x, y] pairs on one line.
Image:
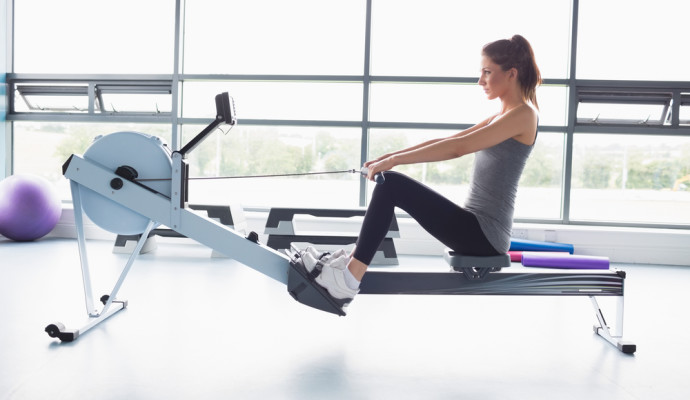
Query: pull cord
[[351, 171]]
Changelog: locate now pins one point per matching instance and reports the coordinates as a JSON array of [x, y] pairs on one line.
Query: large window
[[452, 103], [445, 38], [295, 100], [266, 151], [298, 37], [643, 179], [42, 147], [322, 86], [94, 37], [632, 40]]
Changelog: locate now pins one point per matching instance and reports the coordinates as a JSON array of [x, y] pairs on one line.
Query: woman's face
[[493, 79]]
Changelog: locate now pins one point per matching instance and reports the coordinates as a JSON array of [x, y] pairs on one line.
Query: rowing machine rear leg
[[613, 336]]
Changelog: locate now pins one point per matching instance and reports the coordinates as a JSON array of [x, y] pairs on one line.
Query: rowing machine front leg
[[111, 305]]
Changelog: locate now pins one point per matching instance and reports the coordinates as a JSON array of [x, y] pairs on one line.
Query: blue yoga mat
[[533, 245]]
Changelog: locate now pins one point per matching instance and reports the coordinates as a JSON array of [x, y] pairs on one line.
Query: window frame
[[93, 87], [672, 95]]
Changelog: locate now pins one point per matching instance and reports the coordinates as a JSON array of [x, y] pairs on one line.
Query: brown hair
[[517, 53]]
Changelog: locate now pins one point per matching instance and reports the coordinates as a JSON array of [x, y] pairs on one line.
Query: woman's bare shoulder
[[525, 118]]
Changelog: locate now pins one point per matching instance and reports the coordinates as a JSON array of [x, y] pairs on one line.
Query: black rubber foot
[[627, 347], [57, 330]]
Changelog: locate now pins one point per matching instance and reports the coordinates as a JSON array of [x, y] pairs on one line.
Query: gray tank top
[[493, 189]]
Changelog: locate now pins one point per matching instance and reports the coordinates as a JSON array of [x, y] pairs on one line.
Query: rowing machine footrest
[[305, 290], [476, 268]]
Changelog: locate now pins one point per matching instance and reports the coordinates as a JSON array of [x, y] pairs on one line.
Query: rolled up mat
[[515, 256], [533, 245], [561, 260]]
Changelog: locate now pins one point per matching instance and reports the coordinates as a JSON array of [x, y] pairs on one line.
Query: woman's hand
[[381, 164]]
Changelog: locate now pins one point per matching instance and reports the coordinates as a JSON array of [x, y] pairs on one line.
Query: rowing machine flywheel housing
[[148, 156]]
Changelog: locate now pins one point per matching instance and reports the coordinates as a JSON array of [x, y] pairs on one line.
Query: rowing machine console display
[[130, 183]]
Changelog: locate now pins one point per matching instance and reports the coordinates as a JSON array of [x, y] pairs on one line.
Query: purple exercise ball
[[30, 207]]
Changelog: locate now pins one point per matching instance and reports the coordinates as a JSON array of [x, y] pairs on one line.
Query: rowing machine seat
[[475, 267]]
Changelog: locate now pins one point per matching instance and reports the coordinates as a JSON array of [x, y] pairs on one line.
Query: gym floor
[[209, 328]]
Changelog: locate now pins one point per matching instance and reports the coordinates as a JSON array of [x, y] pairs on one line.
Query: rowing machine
[[117, 184]]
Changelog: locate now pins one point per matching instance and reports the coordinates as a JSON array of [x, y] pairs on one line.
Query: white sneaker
[[332, 278], [337, 254], [324, 255], [311, 257], [315, 253]]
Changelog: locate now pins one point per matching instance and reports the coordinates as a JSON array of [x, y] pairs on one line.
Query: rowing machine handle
[[378, 177]]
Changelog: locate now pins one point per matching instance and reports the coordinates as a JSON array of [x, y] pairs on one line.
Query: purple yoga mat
[[568, 261]]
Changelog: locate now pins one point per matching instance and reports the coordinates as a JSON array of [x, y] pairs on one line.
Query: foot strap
[[318, 267]]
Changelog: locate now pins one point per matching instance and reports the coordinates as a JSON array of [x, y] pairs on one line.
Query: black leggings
[[454, 226]]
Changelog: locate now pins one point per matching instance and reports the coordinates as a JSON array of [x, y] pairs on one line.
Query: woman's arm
[[431, 142], [519, 123]]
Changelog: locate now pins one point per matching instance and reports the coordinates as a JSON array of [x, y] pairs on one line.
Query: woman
[[501, 143]]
